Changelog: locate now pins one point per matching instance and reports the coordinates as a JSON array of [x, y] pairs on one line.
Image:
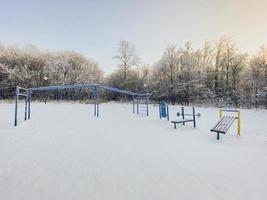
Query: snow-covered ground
[[64, 153]]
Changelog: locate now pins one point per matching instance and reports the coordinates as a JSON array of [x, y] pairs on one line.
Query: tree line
[[217, 73]]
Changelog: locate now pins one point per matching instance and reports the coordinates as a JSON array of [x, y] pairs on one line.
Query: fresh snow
[[64, 152]]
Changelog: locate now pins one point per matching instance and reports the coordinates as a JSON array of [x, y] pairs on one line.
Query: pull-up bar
[[94, 87], [27, 105]]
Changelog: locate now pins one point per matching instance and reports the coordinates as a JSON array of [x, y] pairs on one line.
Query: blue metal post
[[97, 103], [160, 110], [133, 106], [137, 106], [29, 103], [146, 105], [94, 101], [26, 105], [167, 112], [183, 114], [194, 117], [16, 106]]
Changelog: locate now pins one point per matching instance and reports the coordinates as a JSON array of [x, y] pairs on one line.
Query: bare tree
[[126, 57], [170, 60]]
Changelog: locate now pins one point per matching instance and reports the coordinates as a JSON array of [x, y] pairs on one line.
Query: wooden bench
[[181, 121], [223, 125]]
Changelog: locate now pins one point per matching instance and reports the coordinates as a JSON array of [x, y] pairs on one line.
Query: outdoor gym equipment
[[226, 122], [183, 114], [141, 102], [22, 92], [163, 110], [93, 87]]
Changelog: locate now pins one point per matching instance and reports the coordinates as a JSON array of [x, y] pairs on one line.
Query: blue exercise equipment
[[163, 110], [141, 100], [184, 120]]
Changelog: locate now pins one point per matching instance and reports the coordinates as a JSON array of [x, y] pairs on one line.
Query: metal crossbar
[[117, 90], [63, 87], [94, 87], [181, 121]]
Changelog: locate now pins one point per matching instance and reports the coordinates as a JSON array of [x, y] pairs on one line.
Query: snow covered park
[[64, 152]]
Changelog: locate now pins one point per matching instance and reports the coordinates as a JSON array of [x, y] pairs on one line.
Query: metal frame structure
[[93, 87], [184, 120], [226, 121], [141, 102], [163, 110]]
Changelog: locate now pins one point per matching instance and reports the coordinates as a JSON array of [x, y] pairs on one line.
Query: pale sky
[[94, 28]]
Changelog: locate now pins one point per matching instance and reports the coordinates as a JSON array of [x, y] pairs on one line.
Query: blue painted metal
[[63, 87], [183, 114], [146, 105], [26, 105], [137, 106], [229, 110], [142, 101], [163, 110], [94, 87], [16, 106], [94, 94], [133, 105], [17, 95], [117, 90], [29, 103], [97, 104], [194, 117]]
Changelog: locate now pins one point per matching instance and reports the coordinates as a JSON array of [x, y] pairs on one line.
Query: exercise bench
[[225, 122], [183, 121]]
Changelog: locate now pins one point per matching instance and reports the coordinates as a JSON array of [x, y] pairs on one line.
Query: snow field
[[64, 152]]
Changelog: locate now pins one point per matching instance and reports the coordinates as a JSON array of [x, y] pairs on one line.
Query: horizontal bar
[[21, 88], [24, 95], [117, 90], [228, 110], [62, 87], [89, 85]]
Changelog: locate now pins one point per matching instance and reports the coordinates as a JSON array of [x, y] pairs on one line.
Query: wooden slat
[[224, 124], [219, 122], [225, 129]]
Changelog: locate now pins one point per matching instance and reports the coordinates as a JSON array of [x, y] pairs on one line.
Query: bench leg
[[174, 125], [218, 135]]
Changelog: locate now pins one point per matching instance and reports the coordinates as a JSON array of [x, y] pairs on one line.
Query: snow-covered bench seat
[[181, 121], [223, 125]]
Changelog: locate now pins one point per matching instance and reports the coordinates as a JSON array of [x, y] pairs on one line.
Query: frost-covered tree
[[127, 57]]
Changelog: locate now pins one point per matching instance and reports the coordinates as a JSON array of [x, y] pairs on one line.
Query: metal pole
[[167, 112], [194, 117], [29, 103], [220, 113], [137, 104], [26, 105], [183, 114], [160, 110], [146, 105], [238, 123], [97, 103], [16, 106], [133, 106]]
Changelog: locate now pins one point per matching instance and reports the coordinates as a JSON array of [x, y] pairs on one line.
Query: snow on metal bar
[[21, 88], [62, 87], [229, 110], [117, 90]]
